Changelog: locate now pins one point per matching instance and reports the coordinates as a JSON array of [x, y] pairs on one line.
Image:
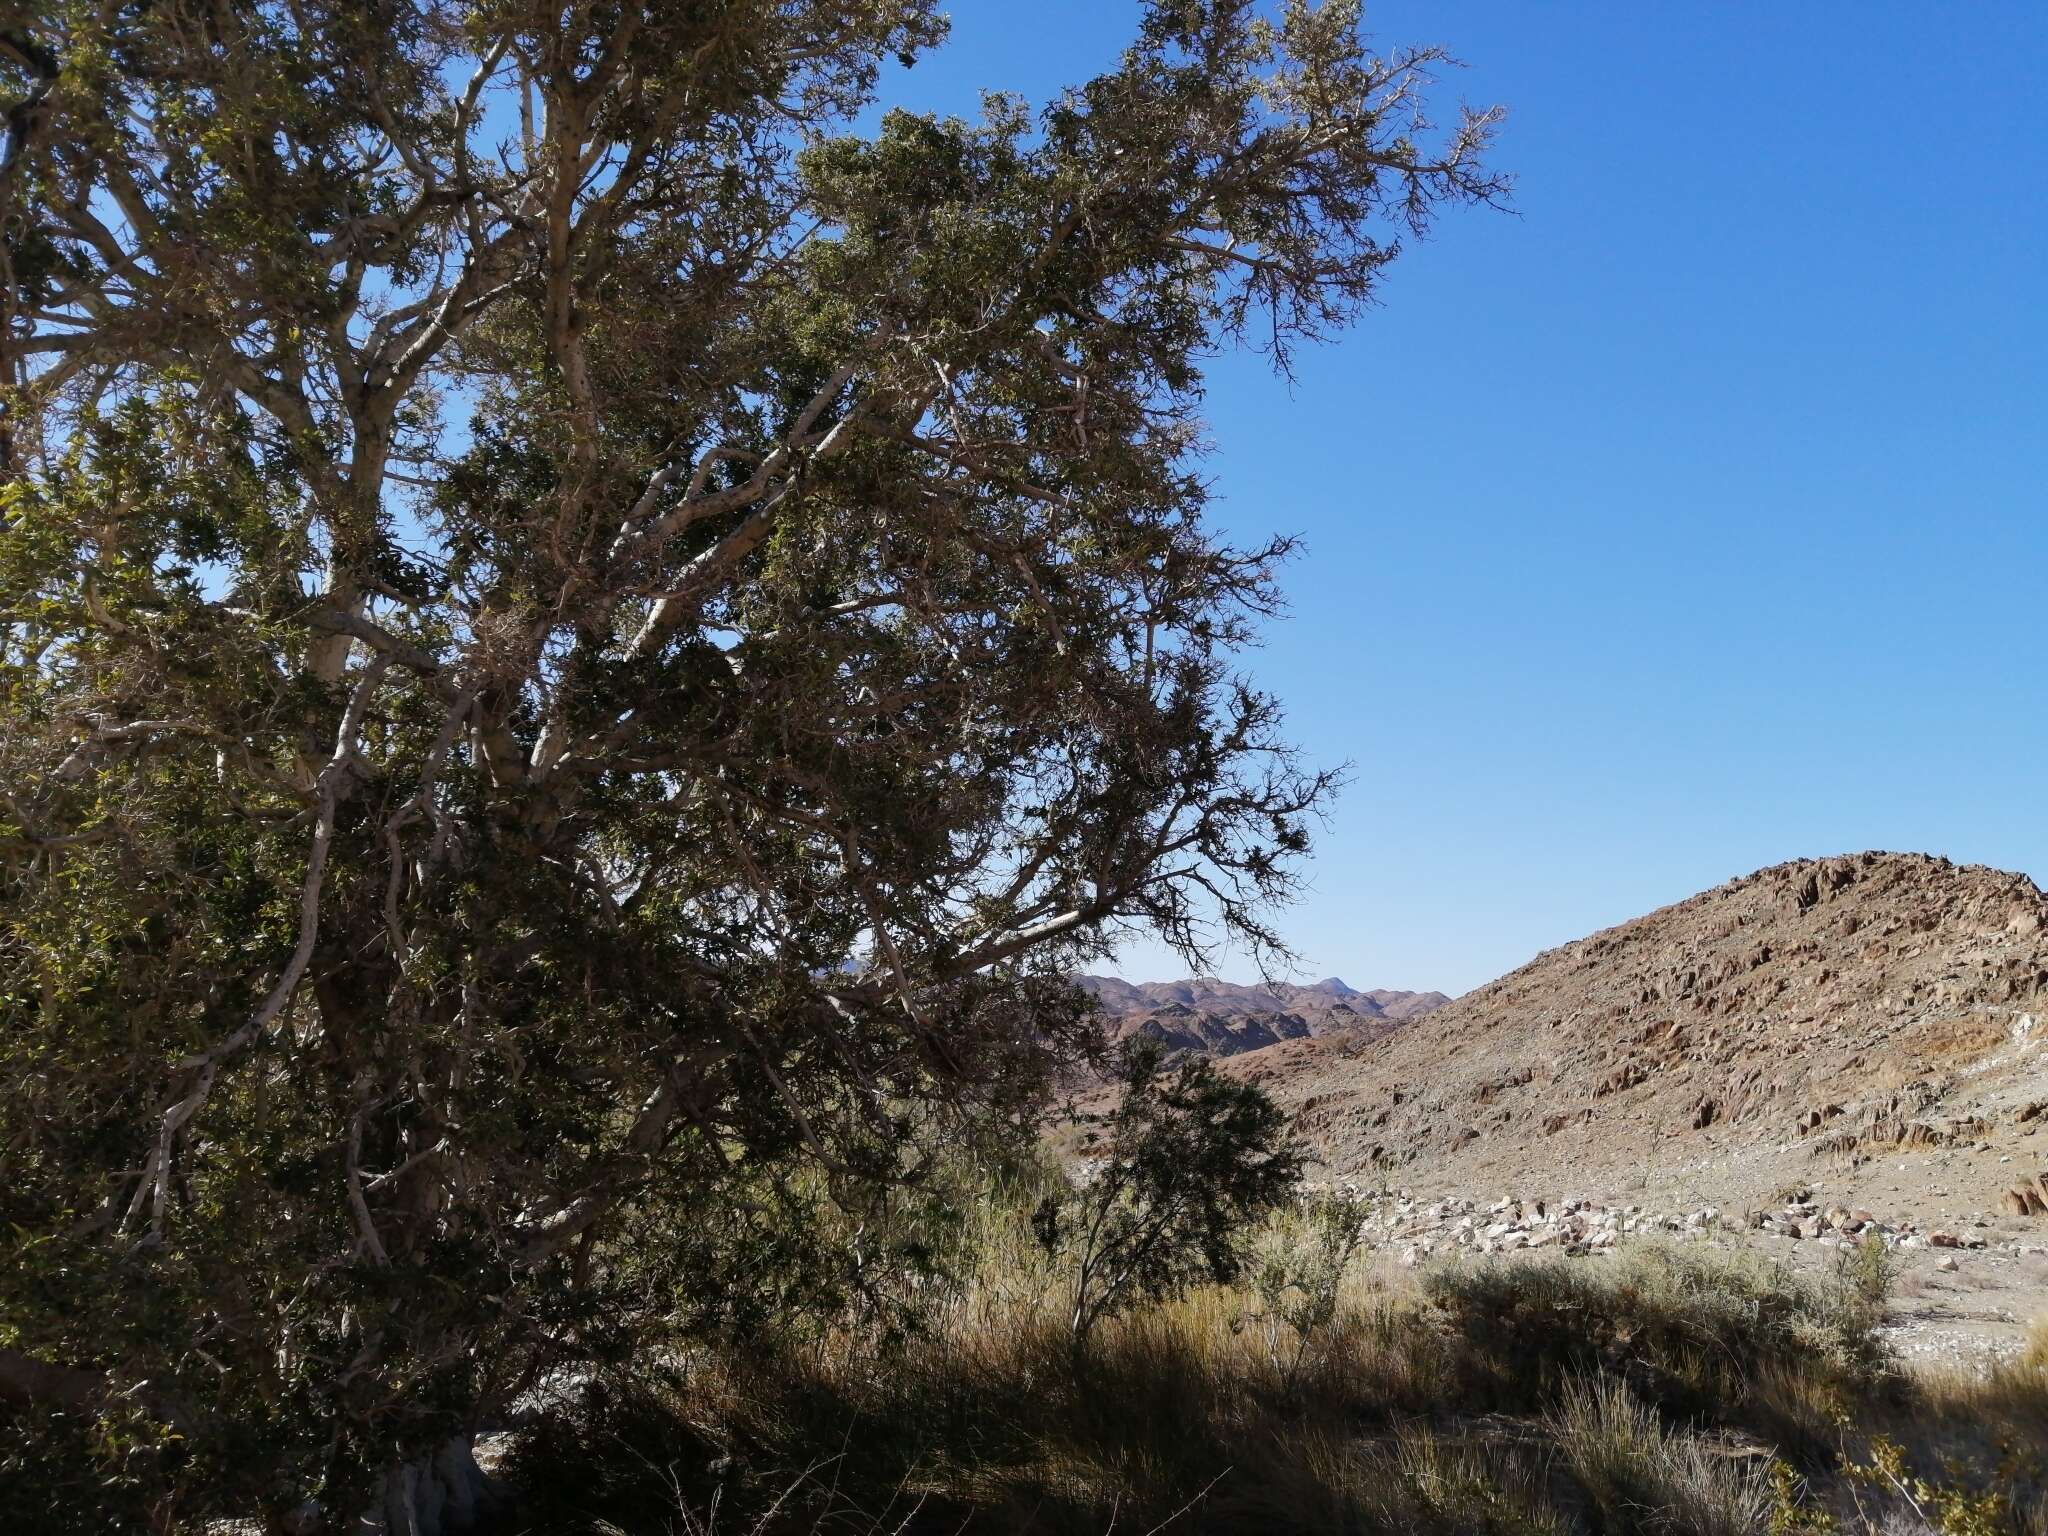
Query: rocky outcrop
[[2029, 1198]]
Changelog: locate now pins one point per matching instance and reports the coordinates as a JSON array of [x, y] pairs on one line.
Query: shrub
[[1299, 1276], [1193, 1161], [1867, 1274], [1952, 1504]]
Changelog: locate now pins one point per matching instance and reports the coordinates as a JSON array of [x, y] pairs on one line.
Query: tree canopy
[[584, 646]]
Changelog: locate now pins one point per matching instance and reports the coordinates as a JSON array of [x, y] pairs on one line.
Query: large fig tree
[[582, 647]]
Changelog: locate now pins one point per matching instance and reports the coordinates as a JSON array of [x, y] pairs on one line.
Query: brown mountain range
[[1225, 1018]]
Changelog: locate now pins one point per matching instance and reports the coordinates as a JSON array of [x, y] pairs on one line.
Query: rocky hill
[[1872, 1023], [1225, 1018]]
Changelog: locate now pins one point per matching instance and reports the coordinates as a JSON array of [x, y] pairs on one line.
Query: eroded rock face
[[1826, 1012], [2027, 1199]]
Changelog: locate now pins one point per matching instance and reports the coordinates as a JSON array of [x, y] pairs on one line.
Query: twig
[[1191, 1503]]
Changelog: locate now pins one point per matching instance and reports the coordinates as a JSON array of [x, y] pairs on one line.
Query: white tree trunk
[[435, 1495]]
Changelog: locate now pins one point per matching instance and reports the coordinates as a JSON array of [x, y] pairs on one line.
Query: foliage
[[1299, 1275], [112, 1470], [1794, 1511], [1945, 1506], [582, 649], [1191, 1161]]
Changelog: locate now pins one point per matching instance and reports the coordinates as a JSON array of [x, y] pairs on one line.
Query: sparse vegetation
[[1299, 1277], [1662, 1390], [1867, 1272], [1725, 1337]]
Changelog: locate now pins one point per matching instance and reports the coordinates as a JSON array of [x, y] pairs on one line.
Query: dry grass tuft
[[1645, 1476]]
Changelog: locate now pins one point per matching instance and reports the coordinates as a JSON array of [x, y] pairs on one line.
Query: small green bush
[[1298, 1277]]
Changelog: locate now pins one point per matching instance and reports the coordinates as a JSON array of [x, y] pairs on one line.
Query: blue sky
[[1691, 519]]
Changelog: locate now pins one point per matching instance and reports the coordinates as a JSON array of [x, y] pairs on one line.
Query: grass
[[1641, 1475], [1694, 1327], [1661, 1390]]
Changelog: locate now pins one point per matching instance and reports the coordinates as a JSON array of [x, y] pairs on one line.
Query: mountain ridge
[[1220, 1018], [1821, 1014]]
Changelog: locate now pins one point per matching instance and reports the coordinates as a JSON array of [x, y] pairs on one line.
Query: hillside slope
[[1870, 1021]]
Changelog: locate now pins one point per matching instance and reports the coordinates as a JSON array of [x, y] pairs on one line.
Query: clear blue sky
[[1692, 519]]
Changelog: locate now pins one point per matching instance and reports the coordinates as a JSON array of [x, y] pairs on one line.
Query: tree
[[1192, 1163], [576, 638]]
